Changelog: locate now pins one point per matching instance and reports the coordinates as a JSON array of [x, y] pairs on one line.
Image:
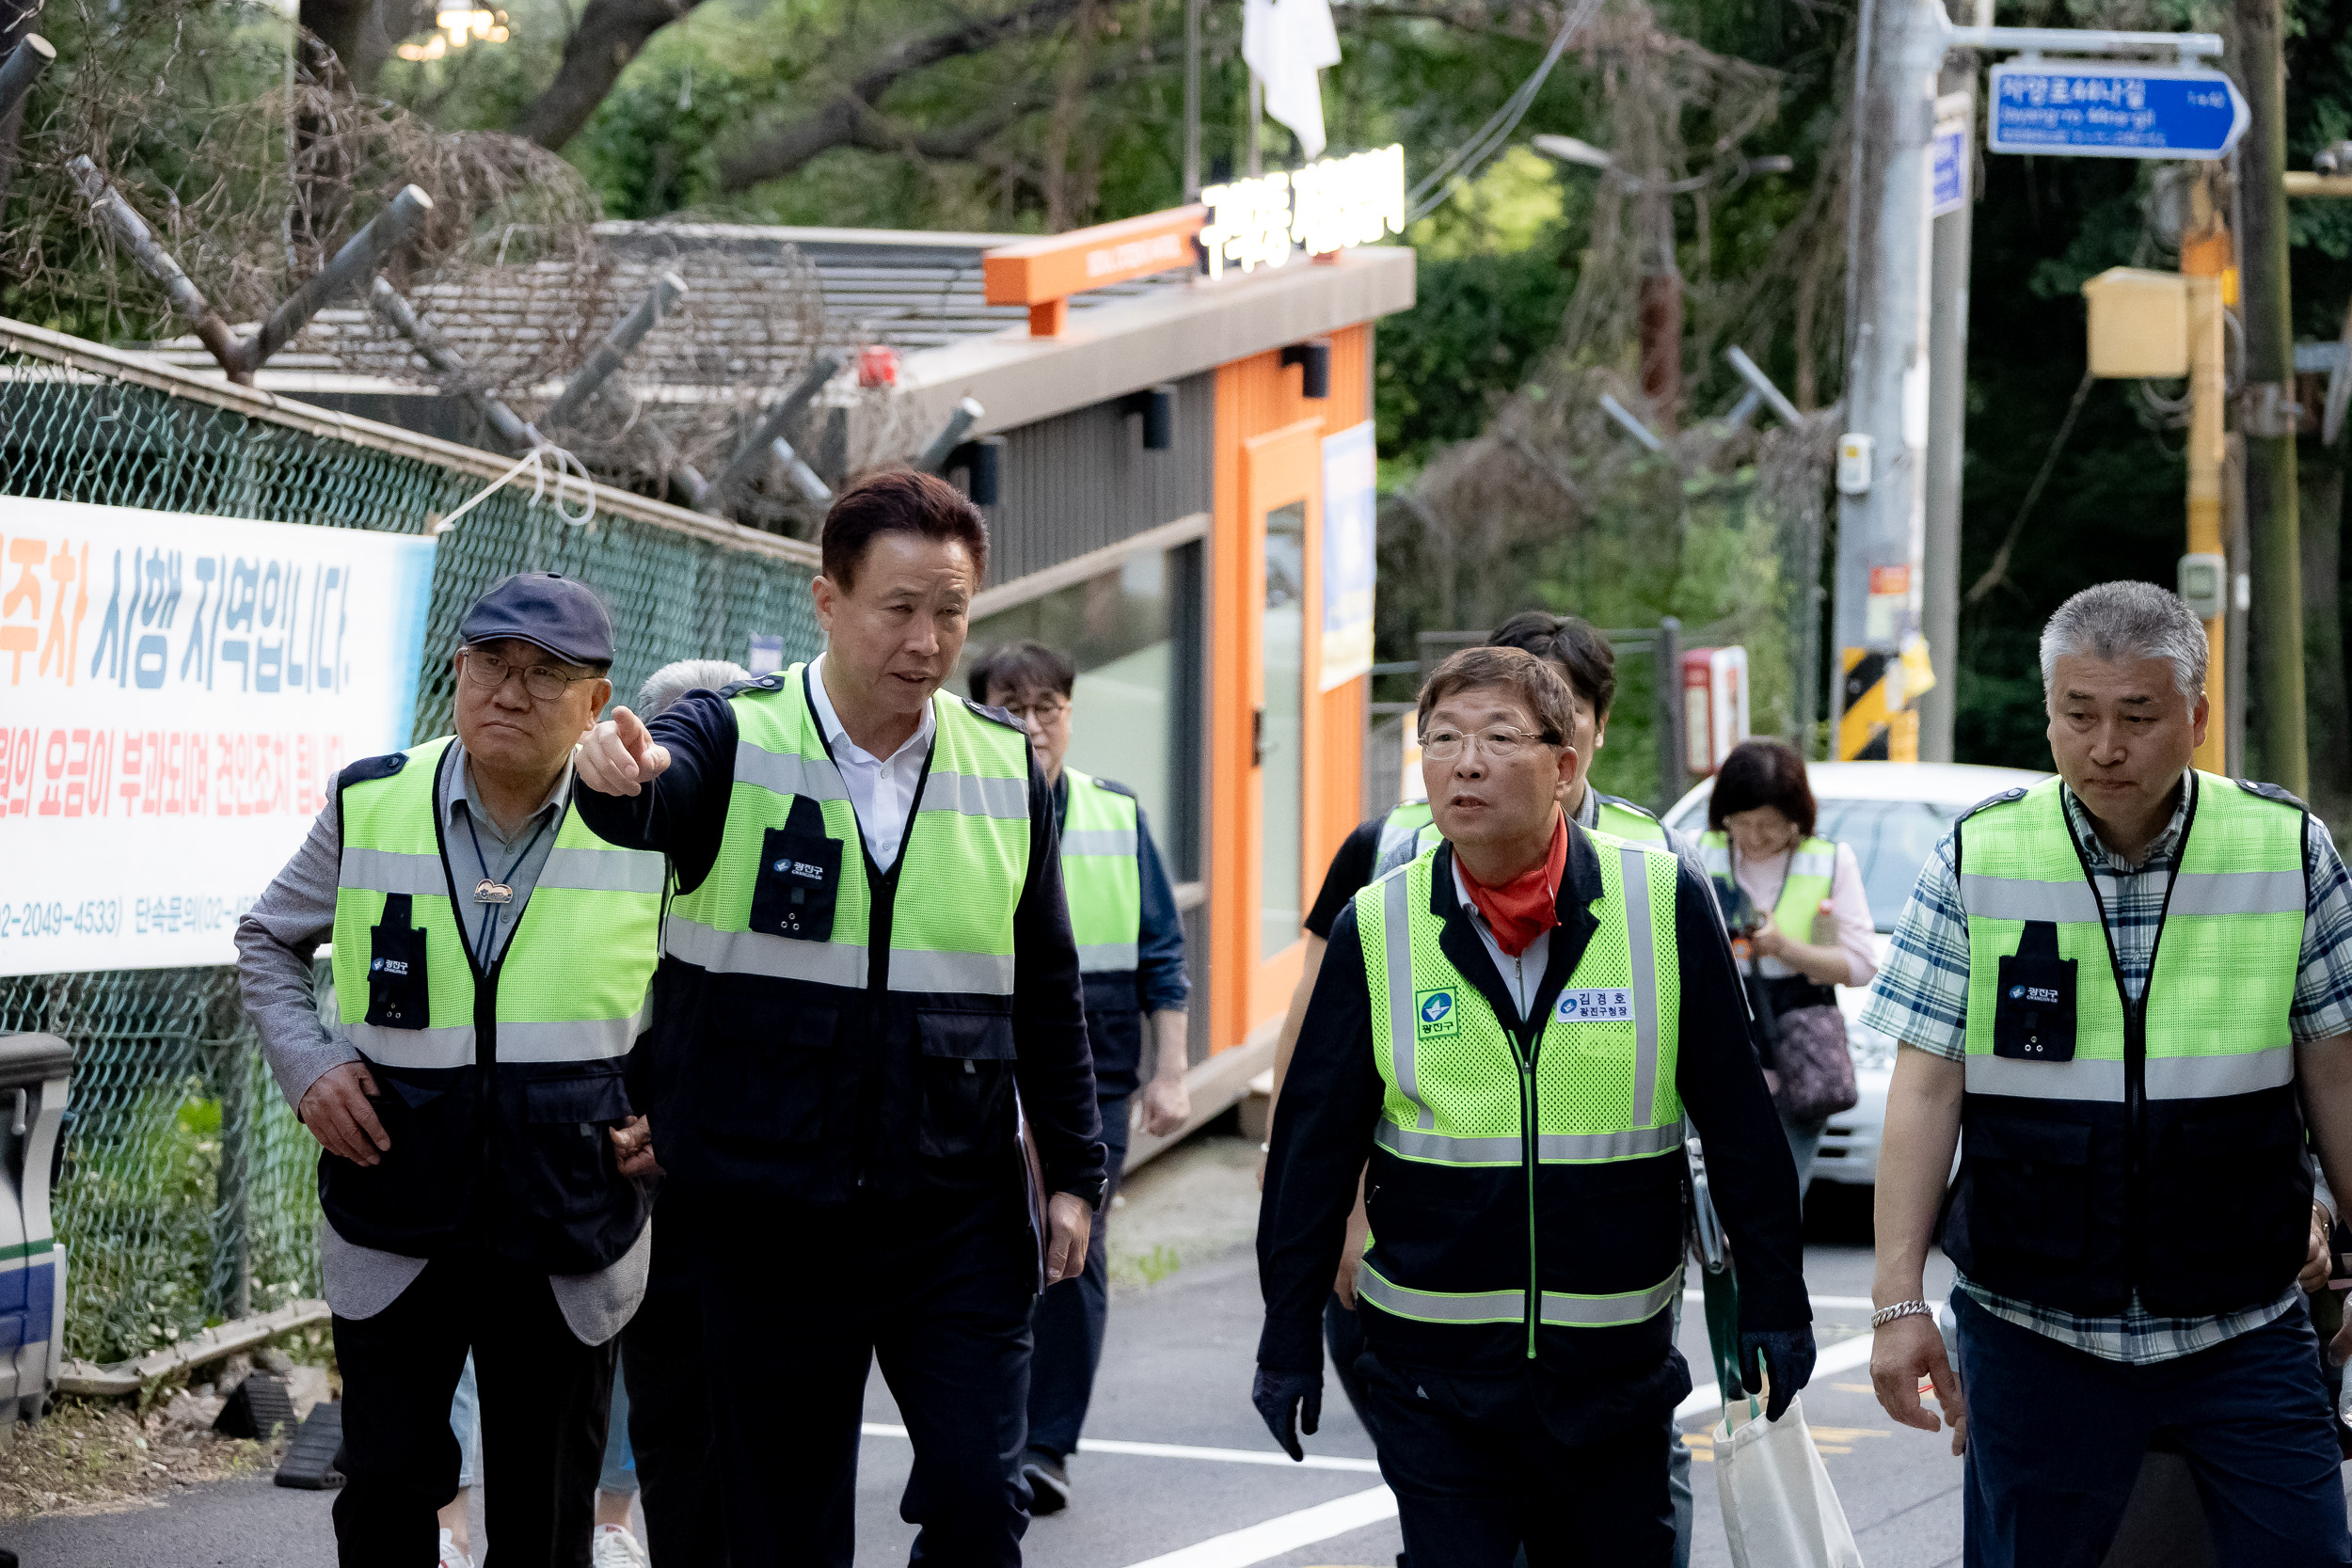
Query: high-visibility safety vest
[[1410, 829], [1812, 870], [784, 1033], [498, 1083], [1526, 1178], [1102, 875], [2109, 1147]]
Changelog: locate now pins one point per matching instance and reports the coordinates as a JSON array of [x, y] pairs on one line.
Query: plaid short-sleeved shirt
[[1921, 998]]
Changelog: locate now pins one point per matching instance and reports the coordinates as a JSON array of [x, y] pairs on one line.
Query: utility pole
[[1948, 415], [2267, 419], [1661, 305], [1192, 98], [1881, 477]]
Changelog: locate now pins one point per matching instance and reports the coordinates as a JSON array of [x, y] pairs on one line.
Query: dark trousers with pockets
[[1478, 1474], [544, 1401], [2056, 1436], [1070, 1316], [938, 1292], [679, 1479]]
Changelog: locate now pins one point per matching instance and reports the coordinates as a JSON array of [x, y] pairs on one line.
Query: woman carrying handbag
[[1801, 924]]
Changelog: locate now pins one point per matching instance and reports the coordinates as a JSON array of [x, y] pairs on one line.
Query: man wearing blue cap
[[492, 963]]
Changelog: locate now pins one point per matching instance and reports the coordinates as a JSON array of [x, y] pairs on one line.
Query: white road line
[[1239, 1548], [1184, 1450]]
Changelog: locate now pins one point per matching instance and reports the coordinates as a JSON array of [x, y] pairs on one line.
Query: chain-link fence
[[188, 1191]]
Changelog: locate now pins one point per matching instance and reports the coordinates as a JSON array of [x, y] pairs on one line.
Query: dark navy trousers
[[1070, 1318], [2055, 1437]]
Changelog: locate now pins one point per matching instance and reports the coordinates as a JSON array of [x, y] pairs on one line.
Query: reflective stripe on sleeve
[[1564, 1309], [2015, 899], [971, 795], [788, 773], [2096, 1079], [2217, 1077], [602, 870], [2236, 892], [823, 963], [1107, 958], [389, 872], [1095, 840]]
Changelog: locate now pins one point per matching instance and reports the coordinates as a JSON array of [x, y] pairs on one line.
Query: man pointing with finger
[[493, 958], [868, 954]]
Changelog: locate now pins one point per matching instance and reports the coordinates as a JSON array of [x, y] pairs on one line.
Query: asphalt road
[[1175, 1379]]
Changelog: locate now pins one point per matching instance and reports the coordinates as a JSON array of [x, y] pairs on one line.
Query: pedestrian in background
[[1490, 1030], [868, 950], [1131, 960], [2132, 986], [493, 960], [1795, 904]]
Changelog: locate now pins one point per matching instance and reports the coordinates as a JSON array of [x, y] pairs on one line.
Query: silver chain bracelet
[[1885, 1315]]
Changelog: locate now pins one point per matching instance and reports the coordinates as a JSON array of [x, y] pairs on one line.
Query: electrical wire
[[1436, 187]]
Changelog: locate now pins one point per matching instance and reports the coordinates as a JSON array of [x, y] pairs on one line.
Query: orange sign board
[[1035, 272]]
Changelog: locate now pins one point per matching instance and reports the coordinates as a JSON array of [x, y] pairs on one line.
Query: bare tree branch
[[360, 34], [784, 148], [609, 34]]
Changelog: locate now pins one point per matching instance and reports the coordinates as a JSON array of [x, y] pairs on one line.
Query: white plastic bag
[[1779, 1509]]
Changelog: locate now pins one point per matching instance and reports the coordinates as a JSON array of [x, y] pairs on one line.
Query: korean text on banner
[[180, 692], [1350, 505]]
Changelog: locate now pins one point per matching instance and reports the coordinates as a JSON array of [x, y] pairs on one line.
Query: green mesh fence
[[188, 1193]]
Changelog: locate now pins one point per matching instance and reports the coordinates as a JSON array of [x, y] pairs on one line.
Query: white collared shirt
[[882, 789]]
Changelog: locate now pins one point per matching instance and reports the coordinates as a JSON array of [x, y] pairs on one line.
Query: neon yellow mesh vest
[[962, 864], [1462, 1103], [572, 982], [1410, 829], [2112, 1147], [1101, 875], [1812, 872]]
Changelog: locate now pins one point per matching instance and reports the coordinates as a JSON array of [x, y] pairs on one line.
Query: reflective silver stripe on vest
[[2214, 1077], [2083, 1078], [1396, 934], [2013, 899], [2236, 892], [1396, 835], [1475, 1306], [1814, 865], [1105, 958], [415, 1048], [788, 773], [1095, 840], [962, 973], [1550, 1148], [388, 872], [821, 963], [1716, 858], [602, 870], [1644, 942], [971, 795], [1563, 1310]]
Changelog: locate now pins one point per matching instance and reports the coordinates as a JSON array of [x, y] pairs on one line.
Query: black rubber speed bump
[[311, 1459], [260, 1408]]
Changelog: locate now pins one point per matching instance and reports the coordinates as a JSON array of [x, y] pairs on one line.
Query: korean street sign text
[[1324, 207], [2090, 109]]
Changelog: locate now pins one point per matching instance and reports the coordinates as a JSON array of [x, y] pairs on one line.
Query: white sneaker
[[451, 1555], [615, 1548]]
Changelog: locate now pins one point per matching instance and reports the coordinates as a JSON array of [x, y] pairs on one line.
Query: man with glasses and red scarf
[[493, 957]]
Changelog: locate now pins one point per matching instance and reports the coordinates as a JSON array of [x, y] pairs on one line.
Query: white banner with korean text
[[180, 692]]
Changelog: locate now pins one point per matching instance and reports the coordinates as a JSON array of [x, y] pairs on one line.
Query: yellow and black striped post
[[1875, 723]]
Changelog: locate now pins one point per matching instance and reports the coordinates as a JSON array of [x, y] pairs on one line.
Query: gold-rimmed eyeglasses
[[1500, 744]]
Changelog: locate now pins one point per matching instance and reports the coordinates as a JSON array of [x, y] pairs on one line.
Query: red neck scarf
[[1528, 905]]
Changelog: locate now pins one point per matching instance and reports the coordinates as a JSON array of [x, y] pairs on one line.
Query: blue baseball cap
[[547, 608]]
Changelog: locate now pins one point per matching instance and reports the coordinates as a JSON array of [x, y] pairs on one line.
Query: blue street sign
[[1947, 178], [2090, 109]]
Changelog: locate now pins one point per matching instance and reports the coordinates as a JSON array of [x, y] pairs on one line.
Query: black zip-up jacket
[[1323, 1135], [771, 1087]]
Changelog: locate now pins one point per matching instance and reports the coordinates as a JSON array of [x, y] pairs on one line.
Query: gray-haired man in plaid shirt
[[2133, 984]]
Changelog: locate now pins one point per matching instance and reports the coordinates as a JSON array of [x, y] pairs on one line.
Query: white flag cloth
[[1285, 42]]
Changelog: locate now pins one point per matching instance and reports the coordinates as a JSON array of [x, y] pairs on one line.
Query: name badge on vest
[[398, 995], [1614, 1004], [800, 877], [2033, 1015]]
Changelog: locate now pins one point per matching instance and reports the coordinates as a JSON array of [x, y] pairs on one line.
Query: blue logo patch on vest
[[1434, 1014], [1609, 1005]]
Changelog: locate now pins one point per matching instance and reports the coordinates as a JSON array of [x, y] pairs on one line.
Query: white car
[[1893, 813]]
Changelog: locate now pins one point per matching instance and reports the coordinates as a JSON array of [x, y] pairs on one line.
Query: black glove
[[1278, 1397], [1782, 1355]]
